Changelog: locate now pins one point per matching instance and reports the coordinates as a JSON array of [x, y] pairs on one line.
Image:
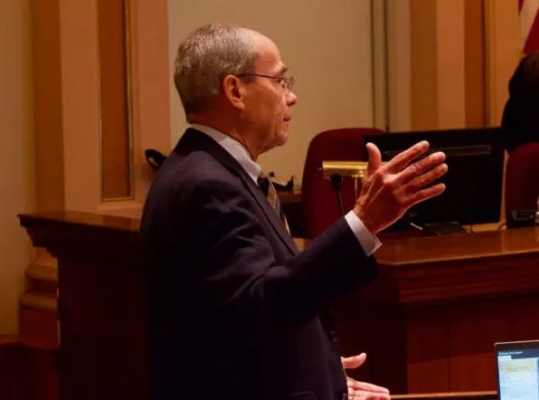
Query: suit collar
[[196, 139], [234, 148]]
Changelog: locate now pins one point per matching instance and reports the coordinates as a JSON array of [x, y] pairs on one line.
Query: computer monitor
[[473, 182], [517, 366]]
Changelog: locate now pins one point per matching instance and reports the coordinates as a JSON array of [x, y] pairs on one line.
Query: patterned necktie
[[268, 189]]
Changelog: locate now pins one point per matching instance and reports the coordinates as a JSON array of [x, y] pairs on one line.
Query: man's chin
[[278, 141], [282, 139]]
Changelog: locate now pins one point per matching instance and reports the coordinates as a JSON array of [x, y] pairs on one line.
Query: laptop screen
[[518, 370]]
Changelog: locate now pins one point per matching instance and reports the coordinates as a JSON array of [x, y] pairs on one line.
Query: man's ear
[[234, 91]]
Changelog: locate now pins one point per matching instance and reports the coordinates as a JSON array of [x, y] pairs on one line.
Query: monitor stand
[[446, 228]]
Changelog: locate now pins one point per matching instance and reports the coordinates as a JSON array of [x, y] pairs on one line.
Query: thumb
[[354, 361], [375, 158]]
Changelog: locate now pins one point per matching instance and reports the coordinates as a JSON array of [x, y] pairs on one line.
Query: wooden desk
[[448, 396], [429, 323], [101, 306]]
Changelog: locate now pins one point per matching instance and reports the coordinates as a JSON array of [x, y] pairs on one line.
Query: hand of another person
[[390, 189], [362, 390]]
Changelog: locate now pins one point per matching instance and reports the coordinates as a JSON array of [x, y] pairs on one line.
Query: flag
[[529, 25]]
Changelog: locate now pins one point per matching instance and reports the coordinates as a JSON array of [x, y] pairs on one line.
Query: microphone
[[336, 171]]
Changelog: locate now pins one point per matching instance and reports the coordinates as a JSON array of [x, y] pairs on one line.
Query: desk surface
[[416, 250], [440, 269], [421, 250], [448, 396]]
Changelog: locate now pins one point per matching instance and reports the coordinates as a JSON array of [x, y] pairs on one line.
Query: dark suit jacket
[[235, 311]]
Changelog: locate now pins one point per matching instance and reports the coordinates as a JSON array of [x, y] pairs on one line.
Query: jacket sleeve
[[237, 272]]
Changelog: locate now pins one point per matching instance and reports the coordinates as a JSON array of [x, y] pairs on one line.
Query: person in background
[[520, 120], [235, 310]]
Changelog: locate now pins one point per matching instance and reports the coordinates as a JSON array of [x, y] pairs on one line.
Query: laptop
[[518, 370]]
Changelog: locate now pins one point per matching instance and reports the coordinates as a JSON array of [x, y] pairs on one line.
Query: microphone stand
[[336, 182]]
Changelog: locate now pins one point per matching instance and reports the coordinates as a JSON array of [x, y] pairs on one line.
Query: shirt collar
[[234, 148]]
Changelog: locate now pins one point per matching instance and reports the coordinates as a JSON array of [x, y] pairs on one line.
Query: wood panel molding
[[434, 314]]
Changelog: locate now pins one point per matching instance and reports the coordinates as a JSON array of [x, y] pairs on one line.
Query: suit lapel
[[207, 144], [272, 216]]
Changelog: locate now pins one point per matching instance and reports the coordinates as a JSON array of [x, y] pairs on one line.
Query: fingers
[[389, 190], [401, 160], [375, 158], [427, 178], [426, 194], [354, 361], [368, 396], [364, 386], [366, 391], [423, 166], [362, 390], [417, 176]]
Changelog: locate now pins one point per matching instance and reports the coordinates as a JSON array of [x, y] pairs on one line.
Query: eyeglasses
[[286, 82]]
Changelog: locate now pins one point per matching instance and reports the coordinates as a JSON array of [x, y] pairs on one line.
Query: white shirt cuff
[[366, 239]]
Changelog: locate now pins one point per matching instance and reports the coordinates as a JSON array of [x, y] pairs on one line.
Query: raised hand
[[390, 189]]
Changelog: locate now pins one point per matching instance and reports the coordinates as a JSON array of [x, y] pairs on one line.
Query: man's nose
[[291, 98]]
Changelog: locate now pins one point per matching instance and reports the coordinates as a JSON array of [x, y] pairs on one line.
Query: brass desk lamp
[[335, 171]]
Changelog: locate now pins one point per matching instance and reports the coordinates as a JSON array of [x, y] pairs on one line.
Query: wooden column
[[79, 132]]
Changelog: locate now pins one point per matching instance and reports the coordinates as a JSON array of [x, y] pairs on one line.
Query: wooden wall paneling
[[427, 345], [475, 63], [114, 100], [474, 330]]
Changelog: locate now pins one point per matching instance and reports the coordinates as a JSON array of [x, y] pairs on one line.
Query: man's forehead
[[271, 64], [268, 53]]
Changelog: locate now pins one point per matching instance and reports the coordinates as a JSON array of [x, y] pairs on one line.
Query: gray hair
[[206, 57]]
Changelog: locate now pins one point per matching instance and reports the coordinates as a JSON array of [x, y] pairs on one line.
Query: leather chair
[[319, 199], [522, 181]]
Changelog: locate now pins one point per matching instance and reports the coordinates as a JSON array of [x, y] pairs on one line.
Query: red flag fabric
[[529, 25]]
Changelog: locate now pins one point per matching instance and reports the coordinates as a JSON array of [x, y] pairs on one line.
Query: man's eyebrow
[[282, 70]]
